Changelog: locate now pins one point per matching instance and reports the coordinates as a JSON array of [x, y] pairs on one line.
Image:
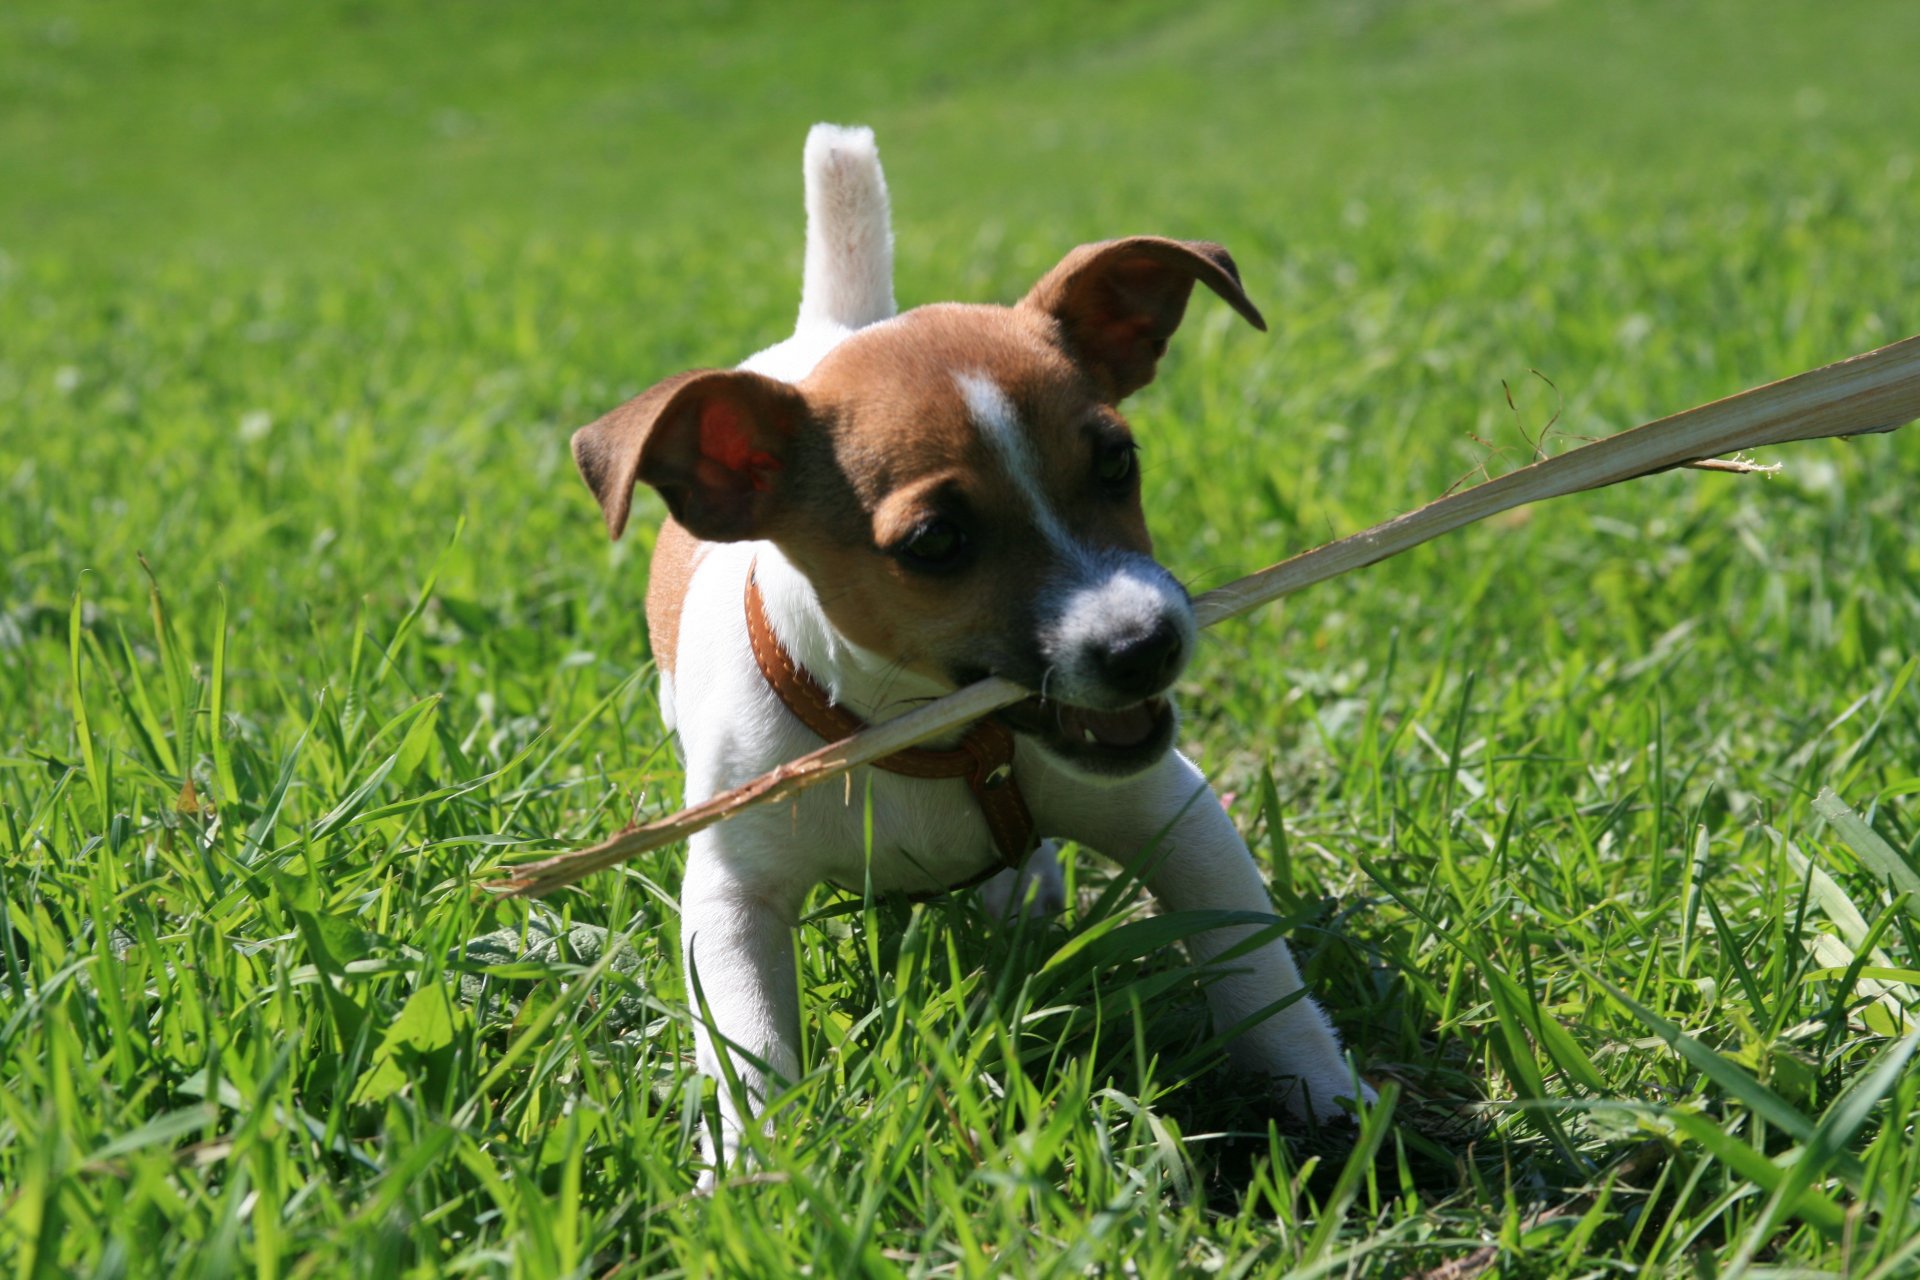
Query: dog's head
[[960, 488]]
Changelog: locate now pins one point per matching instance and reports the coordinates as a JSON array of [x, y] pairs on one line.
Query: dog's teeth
[[1086, 735]]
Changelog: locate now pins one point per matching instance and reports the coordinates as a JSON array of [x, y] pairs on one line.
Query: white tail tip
[[849, 269]]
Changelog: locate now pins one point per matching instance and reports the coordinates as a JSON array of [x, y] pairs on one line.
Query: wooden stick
[[1878, 391], [1875, 392]]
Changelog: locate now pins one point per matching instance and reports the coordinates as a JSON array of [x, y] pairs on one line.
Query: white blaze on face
[[1100, 597], [1001, 427]]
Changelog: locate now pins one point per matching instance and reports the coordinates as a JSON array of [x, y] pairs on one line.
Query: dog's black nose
[[1144, 665]]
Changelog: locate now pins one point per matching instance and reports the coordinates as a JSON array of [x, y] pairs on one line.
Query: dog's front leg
[[1196, 861], [736, 939]]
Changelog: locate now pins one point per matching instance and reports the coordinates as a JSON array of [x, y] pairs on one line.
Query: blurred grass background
[[276, 133]]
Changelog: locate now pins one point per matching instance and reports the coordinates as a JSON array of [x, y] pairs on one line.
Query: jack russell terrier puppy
[[883, 508]]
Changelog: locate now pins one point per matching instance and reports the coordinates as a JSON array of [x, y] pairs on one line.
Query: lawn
[[308, 630]]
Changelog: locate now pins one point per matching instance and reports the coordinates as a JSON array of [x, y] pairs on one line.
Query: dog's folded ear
[[712, 442], [1117, 302]]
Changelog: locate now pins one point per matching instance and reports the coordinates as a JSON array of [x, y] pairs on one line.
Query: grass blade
[[1875, 854]]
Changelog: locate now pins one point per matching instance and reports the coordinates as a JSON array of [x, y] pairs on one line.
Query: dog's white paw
[[1328, 1094], [1037, 890]]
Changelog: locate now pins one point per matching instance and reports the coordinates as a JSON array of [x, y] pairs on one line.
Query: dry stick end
[[1737, 466], [833, 760], [1868, 394]]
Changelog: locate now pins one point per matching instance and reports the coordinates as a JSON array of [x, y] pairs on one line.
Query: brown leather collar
[[984, 756]]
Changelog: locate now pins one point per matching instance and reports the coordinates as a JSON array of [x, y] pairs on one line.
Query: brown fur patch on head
[[907, 449]]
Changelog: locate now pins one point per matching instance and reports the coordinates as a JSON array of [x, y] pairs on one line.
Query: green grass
[[307, 629]]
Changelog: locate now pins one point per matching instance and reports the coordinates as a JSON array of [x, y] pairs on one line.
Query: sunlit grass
[[307, 628]]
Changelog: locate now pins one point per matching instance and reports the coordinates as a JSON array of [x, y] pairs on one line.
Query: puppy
[[885, 507]]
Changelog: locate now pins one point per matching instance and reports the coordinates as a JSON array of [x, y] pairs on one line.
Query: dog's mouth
[[1116, 743]]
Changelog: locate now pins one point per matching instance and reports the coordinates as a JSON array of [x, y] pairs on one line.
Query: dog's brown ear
[[712, 442], [1119, 301]]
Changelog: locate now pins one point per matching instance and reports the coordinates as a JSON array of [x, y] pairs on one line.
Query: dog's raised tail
[[849, 273]]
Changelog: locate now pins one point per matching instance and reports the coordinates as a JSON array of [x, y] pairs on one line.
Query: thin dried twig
[[1737, 466], [1875, 392]]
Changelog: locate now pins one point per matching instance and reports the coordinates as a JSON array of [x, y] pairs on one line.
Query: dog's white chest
[[909, 834]]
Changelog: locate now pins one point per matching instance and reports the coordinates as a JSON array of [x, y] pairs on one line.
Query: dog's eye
[[936, 545], [1114, 464]]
